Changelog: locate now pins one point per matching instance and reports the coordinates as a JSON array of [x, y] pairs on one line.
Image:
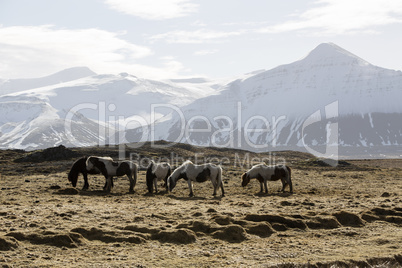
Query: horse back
[[125, 168], [204, 175], [281, 172], [80, 165]]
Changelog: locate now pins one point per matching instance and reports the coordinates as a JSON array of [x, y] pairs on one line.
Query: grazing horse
[[80, 166], [110, 168], [198, 173], [155, 172], [264, 173]]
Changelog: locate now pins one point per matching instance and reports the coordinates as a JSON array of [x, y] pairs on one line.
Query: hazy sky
[[185, 38]]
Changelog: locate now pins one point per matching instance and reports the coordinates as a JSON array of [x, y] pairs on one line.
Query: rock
[[50, 154]]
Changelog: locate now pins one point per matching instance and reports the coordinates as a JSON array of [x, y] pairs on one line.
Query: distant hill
[[330, 103], [15, 85]]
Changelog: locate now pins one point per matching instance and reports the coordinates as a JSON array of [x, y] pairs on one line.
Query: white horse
[[198, 173], [155, 173], [110, 168], [264, 173]]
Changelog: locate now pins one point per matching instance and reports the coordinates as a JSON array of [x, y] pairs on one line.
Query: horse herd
[[163, 172]]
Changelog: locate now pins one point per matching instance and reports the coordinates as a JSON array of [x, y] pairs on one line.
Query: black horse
[[78, 167]]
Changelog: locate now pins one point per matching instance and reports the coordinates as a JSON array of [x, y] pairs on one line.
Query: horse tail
[[150, 177], [219, 179], [134, 170], [288, 173]]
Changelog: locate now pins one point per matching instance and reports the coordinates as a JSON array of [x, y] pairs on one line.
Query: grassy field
[[336, 217]]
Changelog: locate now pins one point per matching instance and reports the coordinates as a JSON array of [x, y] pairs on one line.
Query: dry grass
[[336, 216]]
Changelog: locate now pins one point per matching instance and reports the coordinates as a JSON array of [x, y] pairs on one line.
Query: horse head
[[76, 168], [176, 175], [245, 179], [73, 177], [171, 183]]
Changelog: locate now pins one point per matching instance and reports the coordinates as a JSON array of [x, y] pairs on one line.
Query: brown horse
[[264, 173]]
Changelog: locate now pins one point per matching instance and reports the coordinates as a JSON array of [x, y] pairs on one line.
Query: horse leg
[[108, 184], [223, 191], [215, 184], [132, 183], [284, 183], [261, 187], [86, 184], [165, 184], [266, 187], [190, 186], [156, 184], [290, 185]]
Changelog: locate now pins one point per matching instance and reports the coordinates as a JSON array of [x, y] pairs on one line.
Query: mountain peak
[[72, 73], [331, 52]]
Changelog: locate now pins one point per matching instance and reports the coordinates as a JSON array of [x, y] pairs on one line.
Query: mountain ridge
[[329, 80], [70, 74]]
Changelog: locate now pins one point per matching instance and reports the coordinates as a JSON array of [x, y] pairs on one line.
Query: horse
[[155, 172], [198, 173], [264, 173], [79, 166], [110, 168]]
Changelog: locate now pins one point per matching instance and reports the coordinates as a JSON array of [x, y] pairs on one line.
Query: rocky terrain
[[339, 216]]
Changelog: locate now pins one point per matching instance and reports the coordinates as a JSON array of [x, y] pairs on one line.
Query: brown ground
[[336, 216]]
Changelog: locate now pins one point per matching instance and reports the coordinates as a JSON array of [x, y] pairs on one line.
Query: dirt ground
[[350, 215]]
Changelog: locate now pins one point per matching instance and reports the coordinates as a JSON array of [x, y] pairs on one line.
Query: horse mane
[[149, 175], [76, 168], [187, 162], [180, 168], [150, 166]]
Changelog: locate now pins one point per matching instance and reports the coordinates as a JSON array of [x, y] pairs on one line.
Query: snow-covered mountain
[[15, 85], [88, 110], [330, 102], [297, 105]]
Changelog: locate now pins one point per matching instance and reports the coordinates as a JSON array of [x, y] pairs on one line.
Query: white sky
[[184, 38]]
